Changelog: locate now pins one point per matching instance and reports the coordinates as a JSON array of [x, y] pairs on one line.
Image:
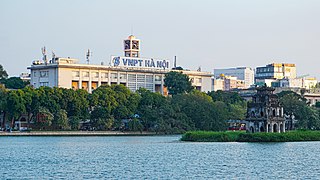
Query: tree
[[293, 103], [61, 120], [14, 83], [3, 103], [235, 105], [177, 83], [157, 113], [74, 122], [202, 111], [3, 73], [15, 105], [44, 118], [226, 97]]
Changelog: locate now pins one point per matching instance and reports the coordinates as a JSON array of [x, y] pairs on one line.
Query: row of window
[[196, 80], [41, 74], [113, 75]]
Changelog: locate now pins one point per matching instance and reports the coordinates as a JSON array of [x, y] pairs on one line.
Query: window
[[44, 83], [35, 74], [114, 75], [75, 74], [95, 74], [104, 75], [198, 80], [123, 76], [158, 78], [85, 74], [44, 73]]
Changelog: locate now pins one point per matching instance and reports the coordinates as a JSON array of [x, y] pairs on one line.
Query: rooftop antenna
[[89, 53], [175, 62], [131, 29], [53, 55], [44, 54]]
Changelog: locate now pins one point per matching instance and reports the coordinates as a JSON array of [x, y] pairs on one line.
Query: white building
[[242, 73], [132, 71]]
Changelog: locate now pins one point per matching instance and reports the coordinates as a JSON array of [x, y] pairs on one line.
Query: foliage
[[177, 83], [135, 125], [74, 122], [44, 118], [3, 73], [210, 136], [234, 104], [14, 83], [201, 111], [317, 104], [61, 120], [293, 103]]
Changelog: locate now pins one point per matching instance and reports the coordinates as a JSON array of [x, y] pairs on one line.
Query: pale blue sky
[[211, 34]]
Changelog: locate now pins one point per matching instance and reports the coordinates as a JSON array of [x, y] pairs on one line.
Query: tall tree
[[177, 83], [200, 108], [3, 73], [14, 83]]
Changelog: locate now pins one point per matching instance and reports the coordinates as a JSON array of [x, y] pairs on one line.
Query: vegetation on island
[[229, 136]]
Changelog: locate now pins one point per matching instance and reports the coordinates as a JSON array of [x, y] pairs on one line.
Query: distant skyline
[[207, 33]]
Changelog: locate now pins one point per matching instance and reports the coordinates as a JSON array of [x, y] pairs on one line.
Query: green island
[[230, 136]]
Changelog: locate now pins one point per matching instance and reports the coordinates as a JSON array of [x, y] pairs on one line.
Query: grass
[[229, 136]]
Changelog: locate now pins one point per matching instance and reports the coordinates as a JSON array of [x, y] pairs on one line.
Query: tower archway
[[275, 128]]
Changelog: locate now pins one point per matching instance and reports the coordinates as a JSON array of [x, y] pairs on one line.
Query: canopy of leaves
[[3, 73], [177, 83], [14, 83]]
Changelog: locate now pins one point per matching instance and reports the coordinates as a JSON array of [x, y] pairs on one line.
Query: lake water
[[154, 157]]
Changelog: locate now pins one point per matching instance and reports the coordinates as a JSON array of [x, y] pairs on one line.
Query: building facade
[[131, 71], [242, 73], [275, 71]]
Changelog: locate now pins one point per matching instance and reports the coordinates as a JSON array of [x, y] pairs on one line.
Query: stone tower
[[265, 113], [131, 47]]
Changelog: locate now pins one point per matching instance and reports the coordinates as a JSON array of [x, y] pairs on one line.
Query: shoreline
[[77, 133]]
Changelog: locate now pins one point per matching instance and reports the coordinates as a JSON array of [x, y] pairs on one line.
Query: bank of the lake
[[77, 133], [210, 136]]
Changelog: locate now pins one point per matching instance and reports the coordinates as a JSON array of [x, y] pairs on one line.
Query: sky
[[201, 33]]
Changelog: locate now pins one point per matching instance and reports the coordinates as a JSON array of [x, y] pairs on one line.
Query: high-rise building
[[242, 73]]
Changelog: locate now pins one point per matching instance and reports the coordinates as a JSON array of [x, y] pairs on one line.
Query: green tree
[[226, 97], [14, 83], [293, 103], [44, 118], [74, 122], [60, 120], [103, 102], [135, 125], [15, 105], [3, 73], [3, 104], [200, 108], [158, 114], [177, 83]]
